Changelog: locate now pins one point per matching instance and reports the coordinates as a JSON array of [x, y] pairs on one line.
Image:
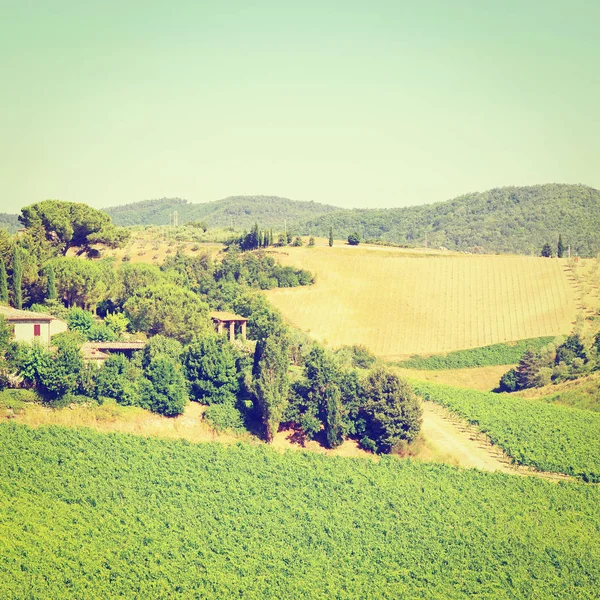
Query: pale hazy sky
[[374, 104]]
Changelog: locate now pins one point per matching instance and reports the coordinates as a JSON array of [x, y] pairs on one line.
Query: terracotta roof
[[13, 314], [226, 316], [113, 345]]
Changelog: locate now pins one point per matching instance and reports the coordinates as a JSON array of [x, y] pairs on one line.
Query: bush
[[163, 389], [225, 416], [354, 239], [391, 410]]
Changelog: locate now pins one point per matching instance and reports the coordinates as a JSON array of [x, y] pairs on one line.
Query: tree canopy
[[71, 224]]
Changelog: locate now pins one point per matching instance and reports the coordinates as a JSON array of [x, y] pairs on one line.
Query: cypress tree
[[560, 250], [51, 291], [330, 237], [17, 279], [3, 283]]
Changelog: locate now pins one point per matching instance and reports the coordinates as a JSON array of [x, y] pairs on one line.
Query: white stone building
[[30, 326]]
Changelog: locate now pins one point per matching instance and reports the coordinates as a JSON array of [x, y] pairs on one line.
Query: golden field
[[399, 302]]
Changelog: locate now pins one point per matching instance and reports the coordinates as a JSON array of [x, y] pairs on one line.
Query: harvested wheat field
[[399, 303]]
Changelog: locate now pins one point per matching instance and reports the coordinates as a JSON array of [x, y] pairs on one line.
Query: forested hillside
[[240, 212], [510, 219]]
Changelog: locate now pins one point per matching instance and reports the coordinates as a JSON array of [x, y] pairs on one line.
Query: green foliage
[[496, 354], [547, 251], [51, 293], [297, 241], [509, 381], [59, 376], [330, 237], [117, 322], [163, 389], [210, 369], [223, 417], [169, 310], [271, 382], [160, 345], [354, 239], [560, 249], [69, 224], [80, 320], [84, 514], [83, 283], [537, 368], [117, 378], [3, 283], [311, 241], [17, 278], [548, 437], [391, 410]]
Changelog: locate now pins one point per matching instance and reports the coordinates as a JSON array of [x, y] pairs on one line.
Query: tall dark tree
[[330, 237], [323, 378], [560, 249], [3, 283], [271, 382], [547, 251], [51, 288], [17, 278]]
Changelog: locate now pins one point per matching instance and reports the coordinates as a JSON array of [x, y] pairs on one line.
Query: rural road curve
[[456, 441]]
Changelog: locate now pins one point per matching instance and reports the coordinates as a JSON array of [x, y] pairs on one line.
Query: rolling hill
[[402, 302], [241, 212], [510, 219]]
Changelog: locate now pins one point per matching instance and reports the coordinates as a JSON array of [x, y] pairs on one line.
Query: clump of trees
[[571, 359]]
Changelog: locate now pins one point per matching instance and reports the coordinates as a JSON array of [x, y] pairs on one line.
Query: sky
[[385, 103]]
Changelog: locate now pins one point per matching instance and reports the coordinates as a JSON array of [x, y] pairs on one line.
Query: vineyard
[[549, 437], [89, 515], [496, 354], [400, 303]]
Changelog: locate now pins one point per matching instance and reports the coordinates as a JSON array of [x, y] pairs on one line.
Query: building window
[[37, 330]]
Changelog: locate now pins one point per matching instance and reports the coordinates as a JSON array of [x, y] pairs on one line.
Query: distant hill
[[9, 222], [510, 219], [239, 211]]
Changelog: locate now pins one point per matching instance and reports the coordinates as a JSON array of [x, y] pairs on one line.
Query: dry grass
[[398, 302], [484, 379]]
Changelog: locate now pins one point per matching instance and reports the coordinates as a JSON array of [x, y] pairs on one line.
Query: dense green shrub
[[225, 417], [210, 368], [163, 388]]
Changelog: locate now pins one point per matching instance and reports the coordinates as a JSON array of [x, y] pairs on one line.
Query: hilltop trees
[[163, 388], [547, 250], [69, 224]]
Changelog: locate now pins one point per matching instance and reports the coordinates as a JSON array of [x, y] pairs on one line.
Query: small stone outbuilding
[[228, 321]]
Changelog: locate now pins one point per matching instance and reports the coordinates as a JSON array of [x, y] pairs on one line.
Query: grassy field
[[399, 303], [91, 515]]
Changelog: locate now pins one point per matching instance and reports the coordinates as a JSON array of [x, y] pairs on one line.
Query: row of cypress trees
[[17, 281]]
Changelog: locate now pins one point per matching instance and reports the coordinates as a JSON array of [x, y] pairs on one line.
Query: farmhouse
[[30, 326], [227, 320]]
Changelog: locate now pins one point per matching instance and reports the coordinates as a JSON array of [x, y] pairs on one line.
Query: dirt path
[[456, 442]]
